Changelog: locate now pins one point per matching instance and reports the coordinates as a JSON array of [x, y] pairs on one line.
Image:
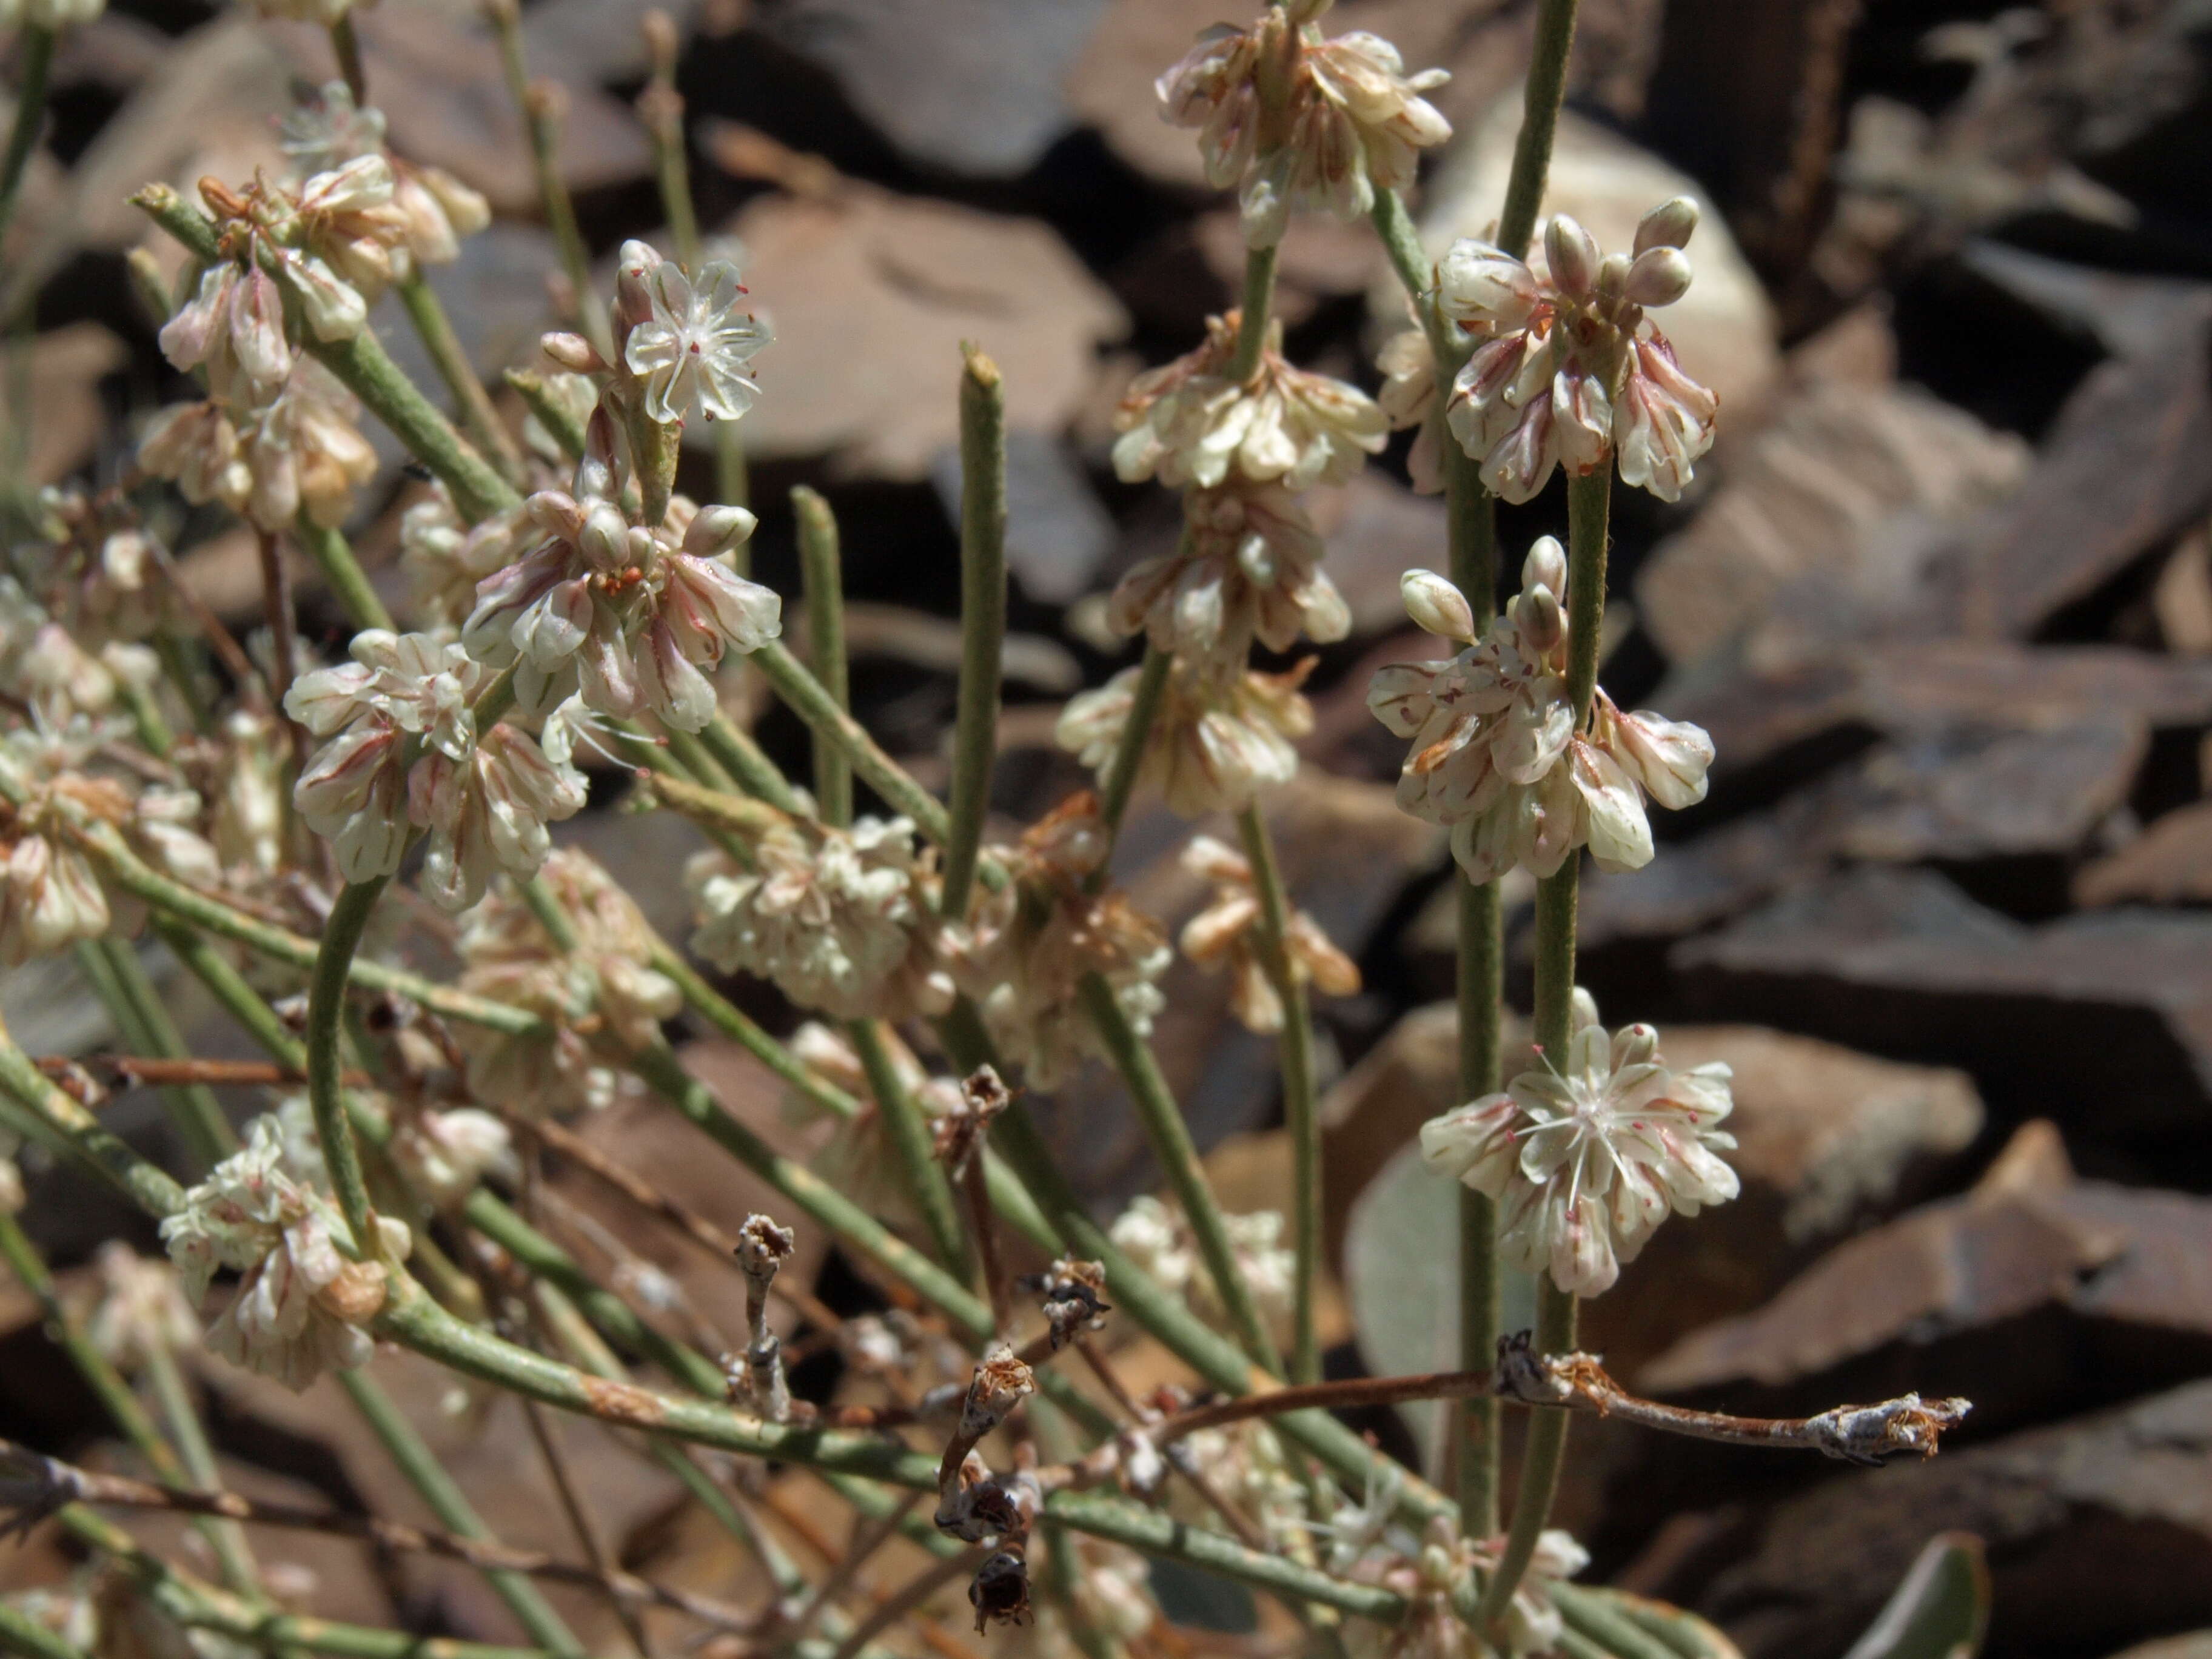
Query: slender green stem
[[823, 579], [1588, 500], [366, 370], [471, 403], [443, 1494], [233, 1553], [559, 419], [119, 980], [106, 1383], [982, 618], [86, 1139], [1540, 121], [37, 51], [735, 752], [812, 703], [540, 107], [1301, 1107], [732, 1022], [22, 1634], [1252, 319], [153, 731], [911, 1144], [1119, 781], [1178, 1155], [333, 556], [327, 994], [345, 46]]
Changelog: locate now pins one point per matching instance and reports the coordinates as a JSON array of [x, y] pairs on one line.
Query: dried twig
[[762, 1248], [960, 1136]]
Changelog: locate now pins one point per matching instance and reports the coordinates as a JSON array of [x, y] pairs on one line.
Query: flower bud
[[1571, 252], [1536, 614], [1480, 286], [1668, 225], [605, 539], [633, 285], [573, 352], [1545, 565], [1634, 1045], [1583, 1009], [1613, 276], [716, 530], [1660, 277], [1435, 605], [333, 307]]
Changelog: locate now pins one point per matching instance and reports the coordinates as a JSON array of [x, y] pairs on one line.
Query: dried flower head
[[301, 1306], [839, 920], [140, 1310], [1225, 934], [690, 344], [1247, 567], [1215, 742], [1296, 121], [1187, 423], [1496, 755], [1029, 946], [1567, 370], [1586, 1160]]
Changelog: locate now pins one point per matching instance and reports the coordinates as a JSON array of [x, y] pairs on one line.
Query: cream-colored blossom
[[1215, 742], [1567, 369], [1027, 947], [1157, 1238], [1295, 121], [1496, 754], [1247, 567], [431, 209], [140, 1310], [300, 1304], [1408, 398], [445, 1154], [1187, 423], [1586, 1159], [1226, 933], [444, 560], [838, 919], [689, 342]]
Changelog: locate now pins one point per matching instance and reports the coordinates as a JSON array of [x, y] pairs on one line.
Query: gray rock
[[1058, 534]]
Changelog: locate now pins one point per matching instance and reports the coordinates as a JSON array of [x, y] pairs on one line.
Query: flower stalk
[[1301, 1106], [472, 402], [541, 105], [37, 58], [822, 577], [982, 619], [333, 556]]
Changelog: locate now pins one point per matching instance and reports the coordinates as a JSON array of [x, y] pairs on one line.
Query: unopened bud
[[1660, 277], [1671, 224], [715, 530], [573, 352], [659, 29], [1583, 1009], [633, 285], [1545, 565], [1436, 606], [1634, 1045], [604, 540], [1536, 613], [1613, 276], [1571, 252]]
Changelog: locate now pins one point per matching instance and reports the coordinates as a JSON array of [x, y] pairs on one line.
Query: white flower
[[1585, 1160], [1215, 743], [1567, 370], [484, 800], [234, 328], [1496, 756], [140, 1310], [838, 919], [1304, 123], [689, 344], [626, 615], [608, 978], [445, 1154], [1187, 423], [431, 209], [1408, 398], [51, 897], [1223, 934], [1157, 1238], [1247, 567], [444, 560], [302, 447], [195, 446], [300, 1304], [1027, 947]]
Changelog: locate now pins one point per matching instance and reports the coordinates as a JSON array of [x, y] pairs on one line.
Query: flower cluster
[[300, 1304], [1296, 121], [1027, 947], [403, 748], [1247, 567], [101, 572], [430, 209], [1586, 1160], [1496, 755], [1158, 1239], [1567, 370], [1225, 934], [1216, 740], [625, 615], [838, 919], [1190, 423], [608, 978], [140, 1310]]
